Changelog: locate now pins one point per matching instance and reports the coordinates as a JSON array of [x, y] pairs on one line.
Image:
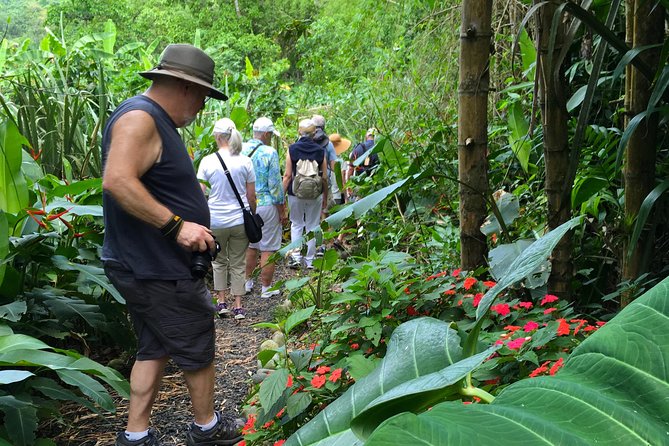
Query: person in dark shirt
[[305, 213], [156, 218]]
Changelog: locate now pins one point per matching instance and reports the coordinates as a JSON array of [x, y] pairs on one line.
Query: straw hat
[[340, 144], [188, 63]]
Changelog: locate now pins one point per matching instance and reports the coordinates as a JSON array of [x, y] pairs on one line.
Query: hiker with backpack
[[305, 182]]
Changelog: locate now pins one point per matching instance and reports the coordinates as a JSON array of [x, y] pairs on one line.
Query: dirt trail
[[237, 345]]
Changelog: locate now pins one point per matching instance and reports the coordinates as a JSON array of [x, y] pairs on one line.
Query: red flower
[[559, 363], [539, 370], [318, 381], [489, 283], [512, 328], [322, 370], [249, 426], [548, 299], [336, 374], [516, 343], [242, 443], [589, 328], [531, 325], [268, 424], [469, 282], [313, 347], [477, 299], [600, 323], [279, 442], [411, 311], [449, 292], [355, 346], [456, 272], [492, 382], [501, 309], [549, 310], [289, 384], [581, 322], [407, 291], [279, 413], [434, 276], [526, 305], [563, 328]]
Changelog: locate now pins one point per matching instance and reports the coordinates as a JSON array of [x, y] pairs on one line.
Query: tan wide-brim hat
[[340, 144], [188, 63]]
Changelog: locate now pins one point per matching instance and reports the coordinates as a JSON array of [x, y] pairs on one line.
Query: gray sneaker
[[226, 432], [149, 440]]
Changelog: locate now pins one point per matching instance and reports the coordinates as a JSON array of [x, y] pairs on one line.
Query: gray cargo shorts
[[172, 318]]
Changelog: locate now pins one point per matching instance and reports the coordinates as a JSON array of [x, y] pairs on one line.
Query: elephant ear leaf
[[416, 348], [613, 389]]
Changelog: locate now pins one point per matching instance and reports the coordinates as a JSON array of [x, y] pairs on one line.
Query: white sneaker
[[248, 286], [294, 261], [266, 294]]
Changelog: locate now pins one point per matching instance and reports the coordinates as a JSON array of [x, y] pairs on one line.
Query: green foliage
[[611, 389]]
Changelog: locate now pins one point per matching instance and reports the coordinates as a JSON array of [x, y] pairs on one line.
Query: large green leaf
[[89, 387], [13, 188], [89, 273], [13, 311], [519, 139], [416, 348], [4, 243], [272, 388], [20, 420], [613, 389], [417, 394], [18, 342], [12, 376], [527, 262]]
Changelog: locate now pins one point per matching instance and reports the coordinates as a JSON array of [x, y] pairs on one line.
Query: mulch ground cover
[[237, 347]]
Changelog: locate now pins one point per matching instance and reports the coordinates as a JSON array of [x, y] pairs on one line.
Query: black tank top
[[136, 246]]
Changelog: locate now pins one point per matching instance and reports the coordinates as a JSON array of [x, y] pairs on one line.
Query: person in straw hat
[[341, 145], [156, 218]]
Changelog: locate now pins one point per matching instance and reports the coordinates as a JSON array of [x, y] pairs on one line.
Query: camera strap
[[232, 183]]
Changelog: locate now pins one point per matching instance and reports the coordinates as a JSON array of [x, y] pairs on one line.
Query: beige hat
[[340, 144], [306, 128], [265, 125], [188, 63], [224, 125]]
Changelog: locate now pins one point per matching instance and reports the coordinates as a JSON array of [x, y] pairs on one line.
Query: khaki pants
[[231, 261]]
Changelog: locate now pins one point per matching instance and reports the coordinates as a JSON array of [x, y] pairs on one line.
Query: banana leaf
[[613, 389]]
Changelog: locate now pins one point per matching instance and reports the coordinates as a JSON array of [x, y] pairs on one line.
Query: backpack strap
[[254, 149]]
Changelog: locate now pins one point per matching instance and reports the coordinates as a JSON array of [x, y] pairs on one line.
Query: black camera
[[202, 261]]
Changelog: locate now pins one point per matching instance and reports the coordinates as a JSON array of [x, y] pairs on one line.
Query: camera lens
[[200, 264]]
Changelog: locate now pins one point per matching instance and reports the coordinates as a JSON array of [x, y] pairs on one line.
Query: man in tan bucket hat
[[156, 225]]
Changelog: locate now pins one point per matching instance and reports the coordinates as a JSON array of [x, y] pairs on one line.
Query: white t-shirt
[[223, 205]]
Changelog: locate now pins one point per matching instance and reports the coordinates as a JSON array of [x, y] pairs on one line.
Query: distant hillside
[[26, 18]]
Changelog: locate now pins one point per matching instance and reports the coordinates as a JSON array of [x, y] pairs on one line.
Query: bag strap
[[232, 183], [256, 148]]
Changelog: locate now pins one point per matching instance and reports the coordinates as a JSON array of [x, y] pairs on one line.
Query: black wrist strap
[[172, 227], [232, 183]]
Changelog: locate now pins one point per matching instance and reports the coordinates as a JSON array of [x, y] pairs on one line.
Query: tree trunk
[[475, 41], [239, 11], [554, 118], [640, 153]]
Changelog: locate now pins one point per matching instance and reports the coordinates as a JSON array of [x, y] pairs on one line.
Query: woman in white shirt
[[227, 221]]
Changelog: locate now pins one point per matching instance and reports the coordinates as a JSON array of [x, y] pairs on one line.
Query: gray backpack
[[307, 183]]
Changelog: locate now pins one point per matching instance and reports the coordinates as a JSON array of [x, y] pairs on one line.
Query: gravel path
[[237, 346]]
